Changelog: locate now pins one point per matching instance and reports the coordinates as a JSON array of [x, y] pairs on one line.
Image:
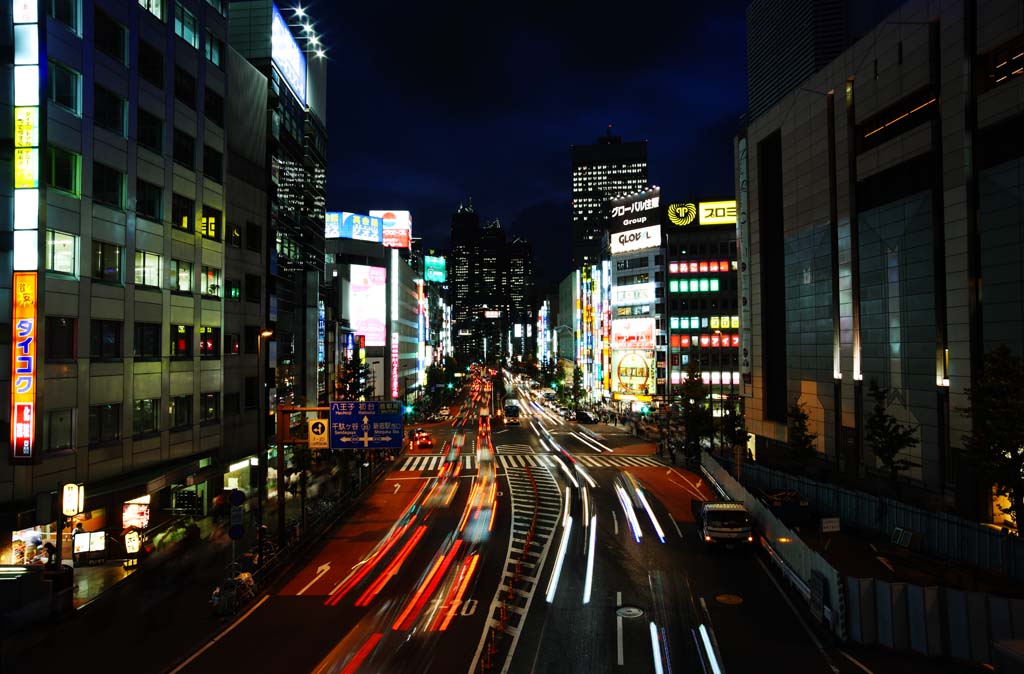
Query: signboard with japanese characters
[[366, 425]]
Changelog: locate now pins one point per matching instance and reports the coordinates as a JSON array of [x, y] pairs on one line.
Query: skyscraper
[[600, 171], [465, 250], [521, 295]]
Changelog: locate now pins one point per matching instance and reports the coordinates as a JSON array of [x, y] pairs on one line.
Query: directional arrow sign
[[370, 425], [318, 434], [320, 571]]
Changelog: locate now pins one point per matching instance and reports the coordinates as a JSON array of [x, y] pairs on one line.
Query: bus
[[511, 411]]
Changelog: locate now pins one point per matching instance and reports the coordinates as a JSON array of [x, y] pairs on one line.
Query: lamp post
[[261, 442]]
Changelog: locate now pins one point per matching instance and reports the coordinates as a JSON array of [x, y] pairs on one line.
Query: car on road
[[424, 440], [723, 522], [444, 412], [585, 417]]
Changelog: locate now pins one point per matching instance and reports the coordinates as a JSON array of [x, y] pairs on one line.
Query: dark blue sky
[[431, 103]]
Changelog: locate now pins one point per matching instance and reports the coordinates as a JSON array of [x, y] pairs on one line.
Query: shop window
[[213, 164], [253, 288], [184, 149], [233, 289], [209, 225], [181, 341], [109, 110], [65, 171], [232, 346], [149, 200], [151, 132], [209, 407], [146, 416], [209, 342], [180, 412], [61, 252], [61, 337], [210, 282], [181, 276], [111, 38], [147, 269], [151, 64], [65, 87], [104, 423], [147, 340], [58, 429], [66, 11], [105, 339], [183, 211], [213, 107], [107, 185]]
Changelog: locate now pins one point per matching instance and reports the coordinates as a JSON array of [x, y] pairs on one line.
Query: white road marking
[[320, 571], [219, 636], [676, 525], [618, 629], [615, 522]]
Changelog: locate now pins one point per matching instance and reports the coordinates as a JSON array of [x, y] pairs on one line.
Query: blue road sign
[[366, 425]]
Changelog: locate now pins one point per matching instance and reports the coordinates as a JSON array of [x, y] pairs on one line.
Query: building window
[[104, 423], [213, 164], [61, 337], [181, 341], [58, 429], [210, 281], [231, 344], [181, 276], [220, 5], [233, 289], [232, 404], [148, 200], [147, 340], [184, 149], [254, 237], [65, 87], [184, 87], [147, 269], [251, 335], [214, 107], [61, 252], [181, 411], [252, 395], [105, 339], [185, 25], [110, 36], [106, 261], [109, 110], [253, 288], [214, 48], [151, 64], [154, 7], [209, 226], [65, 171], [107, 185], [183, 210], [235, 235], [209, 407], [65, 11], [209, 342], [146, 416], [151, 132]]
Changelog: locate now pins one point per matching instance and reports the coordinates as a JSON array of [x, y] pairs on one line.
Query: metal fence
[[942, 535]]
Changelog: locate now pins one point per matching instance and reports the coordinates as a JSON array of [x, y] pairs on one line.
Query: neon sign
[[394, 365], [23, 366]]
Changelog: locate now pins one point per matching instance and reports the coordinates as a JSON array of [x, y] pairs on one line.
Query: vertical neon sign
[[24, 365]]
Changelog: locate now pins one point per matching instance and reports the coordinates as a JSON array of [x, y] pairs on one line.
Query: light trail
[[627, 508], [712, 658], [586, 441], [426, 589], [658, 668], [590, 560], [467, 574], [553, 584], [364, 650], [357, 574], [650, 513], [392, 568]]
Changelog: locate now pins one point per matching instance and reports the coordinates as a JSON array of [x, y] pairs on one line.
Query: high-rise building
[[521, 296], [462, 261], [600, 172], [875, 201]]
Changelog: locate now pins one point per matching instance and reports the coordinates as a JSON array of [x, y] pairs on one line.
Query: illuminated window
[[209, 225], [107, 185], [209, 342], [65, 171], [180, 412], [154, 7], [210, 281], [234, 236], [185, 25], [183, 210], [109, 110], [106, 261], [111, 38], [149, 200], [213, 49], [147, 340], [181, 341], [105, 339], [714, 322], [104, 423], [65, 11], [209, 407], [232, 346], [735, 321], [233, 289], [65, 87], [146, 416], [147, 268], [714, 285], [703, 285], [694, 285], [61, 252], [181, 276], [673, 286]]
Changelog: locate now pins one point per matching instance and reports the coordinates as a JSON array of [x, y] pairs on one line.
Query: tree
[[353, 381], [734, 431], [548, 373], [698, 422], [996, 445], [802, 442], [576, 392], [886, 436]]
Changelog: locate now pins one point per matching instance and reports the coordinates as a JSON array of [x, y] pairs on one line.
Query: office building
[[521, 292], [601, 171], [462, 260], [874, 203]]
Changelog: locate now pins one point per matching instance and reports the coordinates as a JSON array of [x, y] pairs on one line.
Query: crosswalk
[[507, 460]]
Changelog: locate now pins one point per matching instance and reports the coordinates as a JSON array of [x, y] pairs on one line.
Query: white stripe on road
[[618, 623], [219, 636], [586, 441]]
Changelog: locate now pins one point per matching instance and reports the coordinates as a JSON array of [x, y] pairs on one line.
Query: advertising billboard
[[345, 225], [635, 239], [287, 56], [633, 373], [718, 212], [633, 333], [24, 367], [397, 228], [636, 210], [435, 269], [638, 293], [367, 303]]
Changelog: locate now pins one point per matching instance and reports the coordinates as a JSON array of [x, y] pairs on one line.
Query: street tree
[[734, 430], [996, 445], [887, 437], [698, 422], [353, 381], [576, 392], [802, 442]]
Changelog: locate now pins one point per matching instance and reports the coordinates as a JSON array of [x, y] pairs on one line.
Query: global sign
[[636, 239], [287, 56]]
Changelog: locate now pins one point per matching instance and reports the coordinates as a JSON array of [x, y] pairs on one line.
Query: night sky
[[433, 103]]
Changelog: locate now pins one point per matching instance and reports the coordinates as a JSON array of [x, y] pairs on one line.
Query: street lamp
[[262, 454]]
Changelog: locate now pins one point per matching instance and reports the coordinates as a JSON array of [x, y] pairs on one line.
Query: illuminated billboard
[[628, 295], [633, 333], [367, 303], [435, 269], [636, 210], [345, 225], [718, 212], [636, 239], [394, 366], [24, 366], [287, 55], [397, 228], [633, 374]]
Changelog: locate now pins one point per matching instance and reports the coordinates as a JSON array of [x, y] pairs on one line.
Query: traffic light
[[451, 385], [408, 409], [554, 385], [645, 410]]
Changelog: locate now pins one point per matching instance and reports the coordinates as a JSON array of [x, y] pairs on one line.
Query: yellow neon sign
[[26, 127], [718, 212], [26, 167]]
